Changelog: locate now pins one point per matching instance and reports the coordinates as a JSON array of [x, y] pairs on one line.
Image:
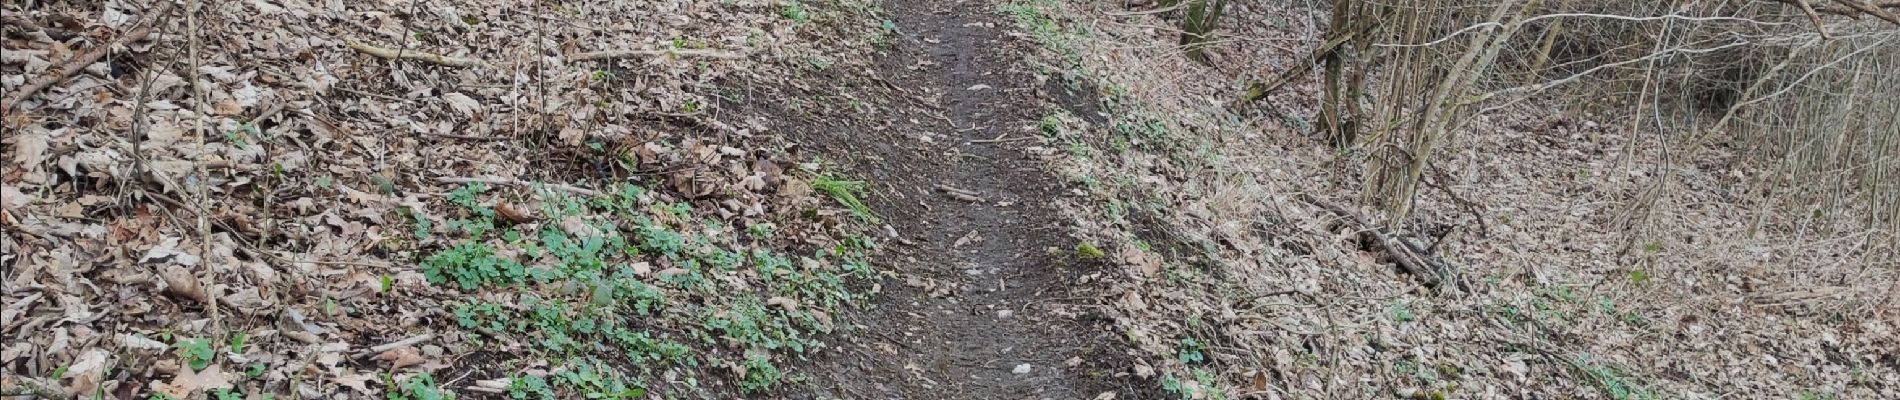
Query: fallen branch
[[960, 194], [1400, 253], [513, 182], [469, 137], [405, 54], [1850, 9], [1878, 10], [1813, 17], [143, 29], [1259, 90], [613, 54], [27, 25], [1001, 140]]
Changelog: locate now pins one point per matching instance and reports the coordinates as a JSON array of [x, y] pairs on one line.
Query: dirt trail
[[978, 278]]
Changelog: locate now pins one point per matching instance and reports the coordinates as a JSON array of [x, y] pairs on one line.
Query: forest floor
[[839, 199], [810, 200]]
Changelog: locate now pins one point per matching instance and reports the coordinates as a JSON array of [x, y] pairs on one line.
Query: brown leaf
[[227, 106], [359, 382], [86, 372], [512, 214], [1149, 265], [401, 357], [1144, 371], [188, 382], [788, 303], [794, 188], [180, 282]]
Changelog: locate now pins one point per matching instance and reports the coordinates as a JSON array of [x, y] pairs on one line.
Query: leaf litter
[[1234, 286], [319, 174]]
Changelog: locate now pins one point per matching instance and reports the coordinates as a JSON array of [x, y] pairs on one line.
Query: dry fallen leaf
[[463, 104], [788, 303], [86, 372], [188, 382], [401, 357], [180, 282], [358, 382], [512, 214], [140, 342], [1149, 265], [167, 250]]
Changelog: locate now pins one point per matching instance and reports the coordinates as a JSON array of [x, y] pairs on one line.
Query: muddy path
[[983, 304]]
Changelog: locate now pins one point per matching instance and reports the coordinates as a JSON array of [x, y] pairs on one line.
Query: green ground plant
[[572, 290]]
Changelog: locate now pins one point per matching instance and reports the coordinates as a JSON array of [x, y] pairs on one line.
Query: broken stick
[[410, 341], [960, 194], [406, 54], [612, 54], [1401, 253]]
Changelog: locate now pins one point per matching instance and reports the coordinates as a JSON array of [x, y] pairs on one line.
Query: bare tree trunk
[[1329, 118], [1201, 17]]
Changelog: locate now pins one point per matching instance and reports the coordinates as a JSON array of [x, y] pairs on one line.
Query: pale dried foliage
[[1620, 246], [317, 161]]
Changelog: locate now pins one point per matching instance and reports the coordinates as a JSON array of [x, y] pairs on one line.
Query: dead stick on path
[[960, 194], [431, 58], [92, 56], [612, 54], [1001, 140], [1401, 254], [513, 182]]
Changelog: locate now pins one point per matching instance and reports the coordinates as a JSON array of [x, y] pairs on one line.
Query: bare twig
[[28, 25], [1813, 17], [613, 54], [469, 137], [1146, 12], [1259, 90], [204, 176], [960, 194], [91, 56], [1001, 140], [1854, 8], [1400, 253], [515, 182], [1495, 24], [410, 341], [431, 58], [1878, 10]]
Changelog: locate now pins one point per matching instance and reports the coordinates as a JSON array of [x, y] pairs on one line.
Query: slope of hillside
[[1245, 274], [857, 199]]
